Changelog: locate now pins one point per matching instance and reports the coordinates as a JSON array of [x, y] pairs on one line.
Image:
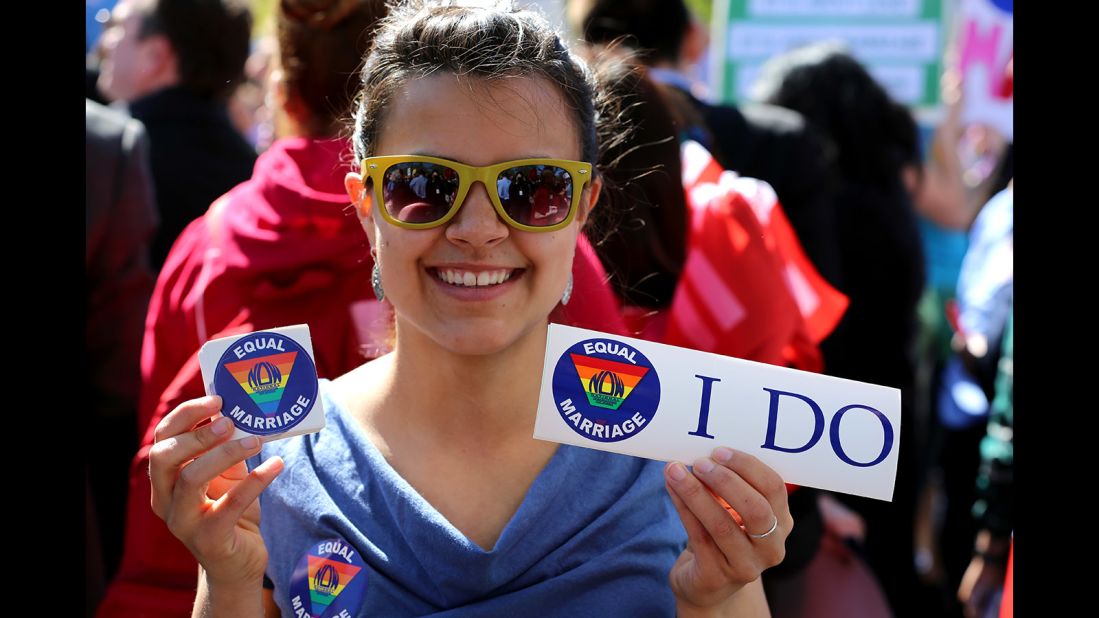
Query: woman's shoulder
[[353, 389]]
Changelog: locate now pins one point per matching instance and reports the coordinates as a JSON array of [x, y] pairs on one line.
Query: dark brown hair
[[421, 37], [210, 39], [641, 232], [655, 29], [321, 45], [874, 135]]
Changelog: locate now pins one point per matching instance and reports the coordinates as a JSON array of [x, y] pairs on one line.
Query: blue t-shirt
[[596, 535]]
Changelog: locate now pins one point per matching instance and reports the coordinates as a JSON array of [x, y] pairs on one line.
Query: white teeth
[[467, 278]]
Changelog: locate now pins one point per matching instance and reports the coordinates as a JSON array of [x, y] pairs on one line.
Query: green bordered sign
[[900, 41]]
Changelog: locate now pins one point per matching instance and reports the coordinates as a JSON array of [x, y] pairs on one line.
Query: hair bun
[[324, 14]]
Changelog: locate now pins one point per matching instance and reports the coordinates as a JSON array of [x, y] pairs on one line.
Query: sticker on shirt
[[329, 581], [606, 390], [267, 382]]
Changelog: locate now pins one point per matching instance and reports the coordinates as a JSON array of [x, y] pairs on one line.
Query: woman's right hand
[[202, 489]]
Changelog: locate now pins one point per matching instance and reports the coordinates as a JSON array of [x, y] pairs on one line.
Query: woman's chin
[[486, 337]]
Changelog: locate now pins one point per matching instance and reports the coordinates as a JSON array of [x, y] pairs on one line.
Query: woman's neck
[[457, 428], [489, 398]]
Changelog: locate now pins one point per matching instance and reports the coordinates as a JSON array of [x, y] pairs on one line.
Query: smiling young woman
[[508, 120], [425, 493]]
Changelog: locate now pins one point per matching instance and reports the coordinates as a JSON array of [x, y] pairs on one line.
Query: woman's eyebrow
[[429, 153]]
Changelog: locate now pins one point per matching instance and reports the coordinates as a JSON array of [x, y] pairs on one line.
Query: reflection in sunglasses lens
[[535, 195], [419, 192]]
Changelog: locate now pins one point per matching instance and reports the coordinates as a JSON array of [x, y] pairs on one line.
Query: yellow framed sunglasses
[[420, 192]]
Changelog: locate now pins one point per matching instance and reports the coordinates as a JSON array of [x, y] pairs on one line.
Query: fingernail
[[220, 426], [705, 465], [723, 454], [250, 442], [677, 471], [210, 400]]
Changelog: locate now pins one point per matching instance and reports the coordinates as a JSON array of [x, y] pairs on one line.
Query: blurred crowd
[[822, 225]]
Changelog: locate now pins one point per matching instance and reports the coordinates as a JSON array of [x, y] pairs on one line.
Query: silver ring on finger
[[774, 527]]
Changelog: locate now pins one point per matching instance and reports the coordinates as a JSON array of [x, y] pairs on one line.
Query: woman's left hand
[[725, 549]]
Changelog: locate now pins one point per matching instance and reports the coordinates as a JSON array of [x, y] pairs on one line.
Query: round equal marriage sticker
[[267, 383], [329, 580], [605, 390]]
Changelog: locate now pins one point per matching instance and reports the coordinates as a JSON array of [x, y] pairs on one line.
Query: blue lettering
[[704, 407], [834, 435], [772, 423]]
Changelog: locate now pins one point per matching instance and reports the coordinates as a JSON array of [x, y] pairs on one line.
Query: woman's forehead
[[479, 121]]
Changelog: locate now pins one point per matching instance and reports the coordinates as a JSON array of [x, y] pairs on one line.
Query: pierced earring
[[376, 281], [568, 291]]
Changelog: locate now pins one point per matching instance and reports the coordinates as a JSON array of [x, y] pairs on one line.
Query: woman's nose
[[477, 222]]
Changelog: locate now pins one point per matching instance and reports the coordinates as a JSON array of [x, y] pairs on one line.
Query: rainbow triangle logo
[[327, 579], [264, 378], [607, 383]]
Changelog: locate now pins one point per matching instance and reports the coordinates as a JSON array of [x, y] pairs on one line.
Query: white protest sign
[[899, 41], [662, 402], [985, 47]]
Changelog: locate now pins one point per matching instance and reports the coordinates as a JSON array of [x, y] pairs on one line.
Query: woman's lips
[[480, 283]]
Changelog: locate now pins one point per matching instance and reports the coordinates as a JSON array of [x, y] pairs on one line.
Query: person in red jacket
[[282, 248], [276, 250]]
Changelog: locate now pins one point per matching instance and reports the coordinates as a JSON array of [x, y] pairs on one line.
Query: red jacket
[[282, 248], [747, 289]]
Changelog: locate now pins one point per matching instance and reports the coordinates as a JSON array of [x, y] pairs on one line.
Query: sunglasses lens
[[535, 195], [419, 192]]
